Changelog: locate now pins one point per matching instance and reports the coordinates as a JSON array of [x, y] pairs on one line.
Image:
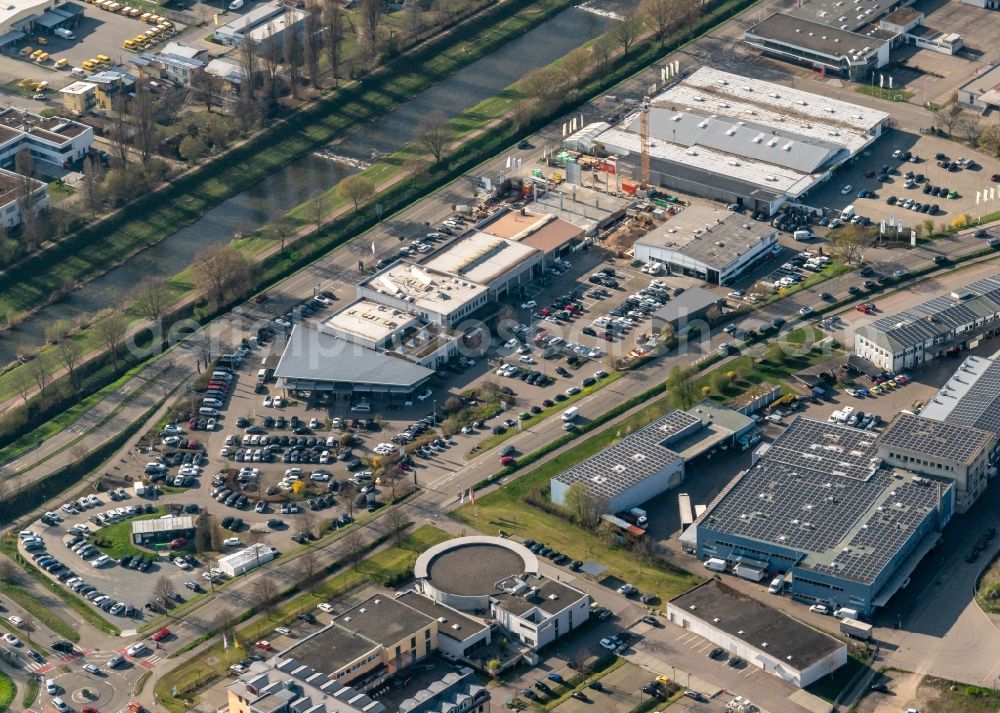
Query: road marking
[[750, 671]]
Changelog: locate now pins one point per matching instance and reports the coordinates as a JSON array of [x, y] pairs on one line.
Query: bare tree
[[318, 207], [357, 189], [397, 523], [333, 35], [118, 130], [352, 546], [627, 31], [603, 48], [24, 385], [9, 572], [162, 588], [970, 128], [293, 53], [110, 329], [144, 137], [433, 135], [69, 352], [347, 492], [93, 175], [38, 369], [308, 521], [27, 199], [950, 114], [265, 591], [247, 109], [310, 567], [990, 139], [271, 59], [283, 229], [204, 86], [847, 242], [583, 506], [371, 12], [221, 271], [416, 167], [151, 297], [312, 41]]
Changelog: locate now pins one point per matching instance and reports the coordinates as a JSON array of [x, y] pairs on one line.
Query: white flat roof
[[481, 257], [78, 88], [14, 9], [766, 175], [369, 320], [711, 91], [425, 287]]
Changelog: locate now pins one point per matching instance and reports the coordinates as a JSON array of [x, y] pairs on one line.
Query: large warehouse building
[[942, 325], [708, 242], [822, 504], [745, 141], [764, 637]]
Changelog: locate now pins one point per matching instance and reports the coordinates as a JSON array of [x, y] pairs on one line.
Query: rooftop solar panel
[[952, 441]]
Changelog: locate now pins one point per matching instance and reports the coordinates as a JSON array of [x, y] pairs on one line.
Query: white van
[[207, 411], [136, 649], [803, 235], [777, 585], [214, 403], [224, 375], [716, 564], [236, 4], [361, 408], [570, 414], [846, 613], [79, 72], [847, 213]]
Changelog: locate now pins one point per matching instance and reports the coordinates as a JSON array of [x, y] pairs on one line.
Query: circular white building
[[463, 573]]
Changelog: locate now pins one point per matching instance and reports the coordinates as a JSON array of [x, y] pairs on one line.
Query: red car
[[88, 709], [995, 178], [193, 424], [867, 309], [262, 297], [506, 460], [178, 542], [160, 635]]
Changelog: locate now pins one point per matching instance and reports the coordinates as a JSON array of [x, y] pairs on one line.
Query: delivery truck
[[856, 629], [754, 574]]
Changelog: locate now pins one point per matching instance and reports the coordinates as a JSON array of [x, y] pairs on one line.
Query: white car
[[530, 304], [527, 360], [268, 402], [91, 668], [284, 630], [846, 189], [319, 477], [313, 422], [224, 452], [12, 640], [424, 396], [231, 542], [325, 606], [181, 563], [608, 644], [805, 311], [16, 621], [819, 609], [279, 402]]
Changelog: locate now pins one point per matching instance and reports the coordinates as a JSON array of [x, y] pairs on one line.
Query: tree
[[9, 572], [111, 329], [416, 167], [118, 130], [151, 297], [970, 128], [312, 41], [577, 64], [318, 207], [69, 352], [270, 54], [93, 175], [24, 386], [145, 133], [192, 148], [283, 229], [27, 199], [928, 227], [603, 48], [356, 188], [990, 139], [38, 369], [583, 507], [265, 590], [162, 588], [204, 87], [371, 12], [848, 241], [712, 313], [949, 115], [309, 566], [664, 15], [333, 35], [493, 667], [221, 271], [397, 523], [292, 54], [352, 546], [681, 386], [433, 134], [347, 491], [308, 522], [627, 31], [247, 109]]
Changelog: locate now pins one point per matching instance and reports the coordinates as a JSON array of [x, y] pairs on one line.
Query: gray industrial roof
[[162, 524], [383, 619], [311, 355], [330, 649], [971, 397], [551, 597], [755, 141], [951, 441], [938, 317], [834, 13], [709, 234], [763, 628], [691, 301], [631, 460], [815, 36], [456, 625], [820, 490]]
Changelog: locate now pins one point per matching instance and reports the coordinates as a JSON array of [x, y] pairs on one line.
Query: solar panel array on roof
[[952, 441], [936, 318], [819, 490], [971, 397], [632, 459]]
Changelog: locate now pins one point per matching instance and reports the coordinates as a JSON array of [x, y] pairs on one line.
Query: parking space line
[[750, 671]]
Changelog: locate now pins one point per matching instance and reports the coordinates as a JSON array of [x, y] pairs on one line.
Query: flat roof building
[[585, 208], [11, 186], [369, 323], [709, 242], [745, 141], [161, 530], [53, 140], [543, 231], [537, 610], [942, 325], [644, 464], [983, 91], [497, 263], [426, 291], [763, 636], [464, 637], [264, 688], [237, 563], [691, 305], [270, 20], [822, 504]]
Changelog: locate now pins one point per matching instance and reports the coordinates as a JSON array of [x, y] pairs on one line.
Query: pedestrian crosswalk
[[147, 661]]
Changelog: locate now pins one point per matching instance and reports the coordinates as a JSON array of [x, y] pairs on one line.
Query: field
[[7, 691]]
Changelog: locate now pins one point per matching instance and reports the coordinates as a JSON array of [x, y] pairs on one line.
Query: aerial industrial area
[[452, 356]]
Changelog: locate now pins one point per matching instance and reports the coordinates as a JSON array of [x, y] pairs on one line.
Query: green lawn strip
[[391, 563], [834, 269], [116, 540], [9, 548], [494, 441], [39, 611], [79, 257], [833, 684], [30, 692], [960, 697], [893, 95], [7, 691]]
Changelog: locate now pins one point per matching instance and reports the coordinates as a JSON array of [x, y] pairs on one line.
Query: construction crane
[[644, 140]]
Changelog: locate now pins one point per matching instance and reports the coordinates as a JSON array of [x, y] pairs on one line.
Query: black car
[[717, 653], [307, 617], [854, 289]]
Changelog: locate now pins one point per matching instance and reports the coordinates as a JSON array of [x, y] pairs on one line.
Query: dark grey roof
[[473, 569], [311, 355], [971, 397], [819, 490], [742, 138], [712, 180], [383, 619], [330, 649], [951, 441], [939, 317], [796, 645], [692, 301], [551, 597], [634, 458], [456, 625], [815, 36]]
